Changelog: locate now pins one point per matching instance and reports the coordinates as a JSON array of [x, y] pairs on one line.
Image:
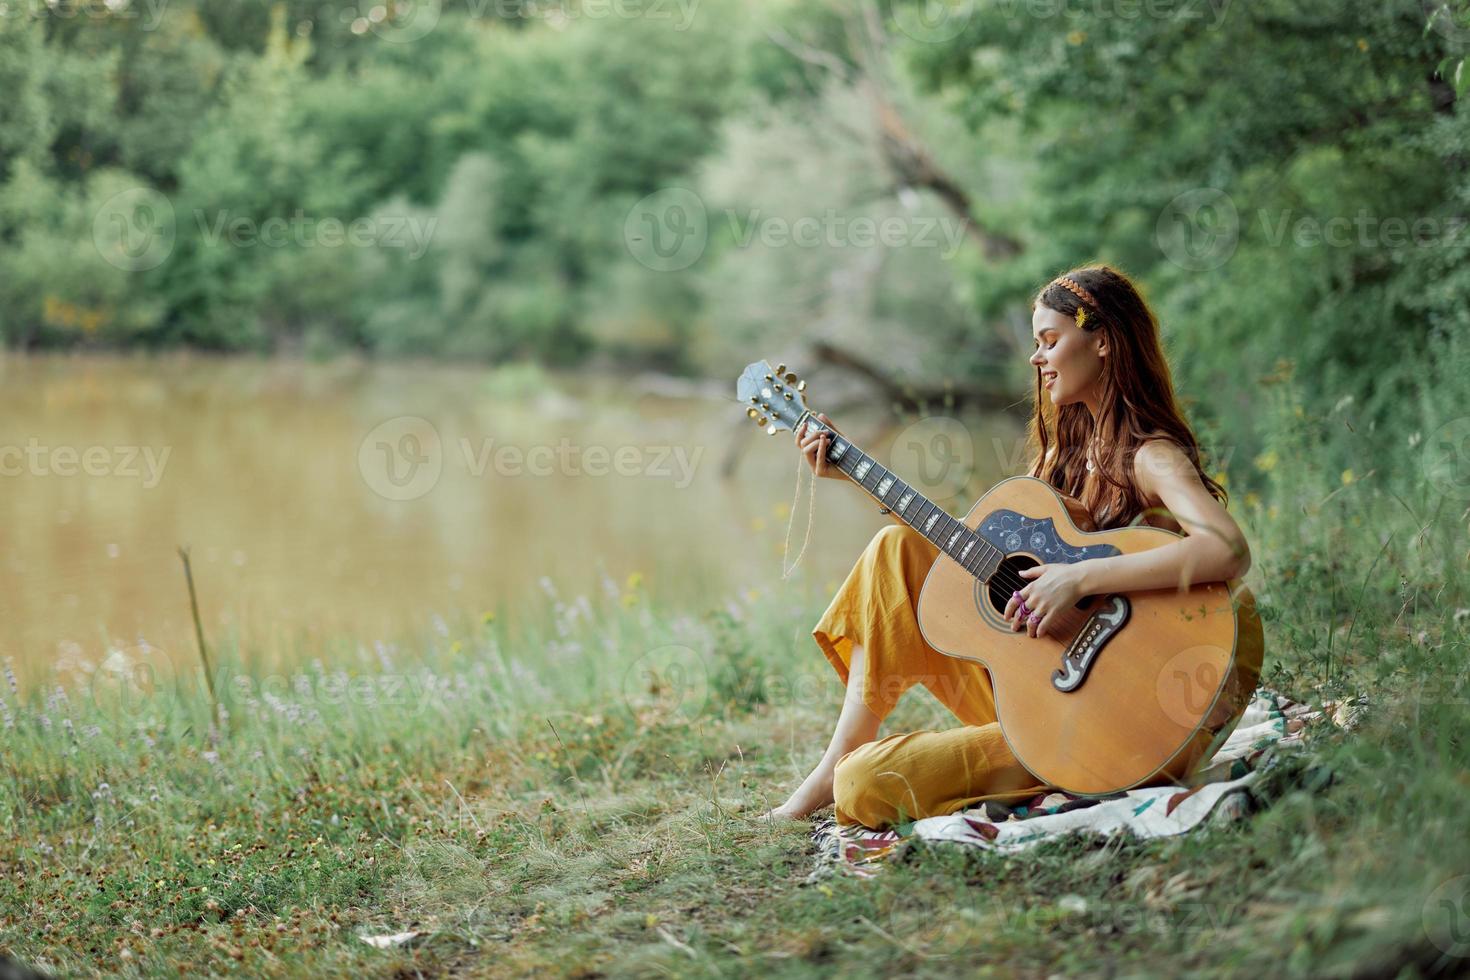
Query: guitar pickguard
[[1010, 532]]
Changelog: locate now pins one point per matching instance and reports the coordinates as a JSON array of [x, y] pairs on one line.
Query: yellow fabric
[[914, 774]]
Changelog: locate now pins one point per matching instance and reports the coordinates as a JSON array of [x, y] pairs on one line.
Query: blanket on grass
[[1272, 729]]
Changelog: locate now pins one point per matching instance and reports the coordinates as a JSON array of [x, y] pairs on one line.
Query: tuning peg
[[780, 369], [771, 430], [790, 397], [791, 378], [770, 377], [751, 412], [755, 400], [801, 386], [762, 420]]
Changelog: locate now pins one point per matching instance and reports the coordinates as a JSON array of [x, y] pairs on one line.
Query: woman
[[1108, 432]]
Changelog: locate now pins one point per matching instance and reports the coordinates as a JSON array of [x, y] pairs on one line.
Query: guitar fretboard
[[976, 555]]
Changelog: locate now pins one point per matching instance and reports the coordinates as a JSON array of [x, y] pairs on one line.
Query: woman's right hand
[[814, 444]]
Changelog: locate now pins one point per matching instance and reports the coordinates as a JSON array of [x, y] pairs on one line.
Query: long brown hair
[[1136, 401]]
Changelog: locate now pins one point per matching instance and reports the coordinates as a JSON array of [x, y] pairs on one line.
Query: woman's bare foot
[[856, 725], [814, 793]]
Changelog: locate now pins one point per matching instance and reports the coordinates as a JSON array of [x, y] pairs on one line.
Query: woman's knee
[[858, 791], [852, 785], [896, 538]]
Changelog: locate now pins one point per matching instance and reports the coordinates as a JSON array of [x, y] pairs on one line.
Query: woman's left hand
[[1053, 589]]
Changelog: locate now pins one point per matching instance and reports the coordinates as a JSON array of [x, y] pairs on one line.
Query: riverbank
[[583, 803]]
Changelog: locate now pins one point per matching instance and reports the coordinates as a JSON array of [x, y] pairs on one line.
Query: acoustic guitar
[[1127, 689]]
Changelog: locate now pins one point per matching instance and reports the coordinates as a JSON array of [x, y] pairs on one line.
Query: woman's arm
[[1214, 550]]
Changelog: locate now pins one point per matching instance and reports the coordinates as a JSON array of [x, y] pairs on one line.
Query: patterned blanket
[[1273, 727]]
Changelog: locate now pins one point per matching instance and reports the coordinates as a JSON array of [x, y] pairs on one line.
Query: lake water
[[350, 500]]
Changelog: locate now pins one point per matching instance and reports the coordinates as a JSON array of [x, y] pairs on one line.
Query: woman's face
[[1070, 359]]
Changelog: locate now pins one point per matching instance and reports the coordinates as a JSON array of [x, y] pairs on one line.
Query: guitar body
[[1142, 684]]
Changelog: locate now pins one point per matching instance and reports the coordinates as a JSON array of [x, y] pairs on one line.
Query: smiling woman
[[1108, 434]]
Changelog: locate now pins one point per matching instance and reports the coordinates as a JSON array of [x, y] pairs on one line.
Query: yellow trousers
[[913, 774]]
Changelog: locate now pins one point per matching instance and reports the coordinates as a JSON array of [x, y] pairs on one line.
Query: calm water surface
[[347, 500]]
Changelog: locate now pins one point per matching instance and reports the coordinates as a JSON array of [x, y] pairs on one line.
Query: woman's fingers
[[1020, 619], [813, 446]]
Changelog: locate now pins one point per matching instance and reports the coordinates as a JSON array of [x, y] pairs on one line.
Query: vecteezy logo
[[1447, 459], [932, 21], [401, 459], [410, 20], [1446, 916], [667, 230], [1187, 683], [129, 680], [134, 231], [935, 455], [671, 683], [1199, 229], [1449, 19]]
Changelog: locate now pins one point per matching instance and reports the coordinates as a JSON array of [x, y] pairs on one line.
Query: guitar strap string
[[811, 506]]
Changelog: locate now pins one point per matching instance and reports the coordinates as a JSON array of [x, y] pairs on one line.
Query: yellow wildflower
[[1347, 477], [1266, 462]]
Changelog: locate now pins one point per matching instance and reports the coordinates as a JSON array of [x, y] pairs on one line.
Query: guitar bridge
[[1077, 660]]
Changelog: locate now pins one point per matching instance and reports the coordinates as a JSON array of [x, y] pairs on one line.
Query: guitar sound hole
[[1008, 579]]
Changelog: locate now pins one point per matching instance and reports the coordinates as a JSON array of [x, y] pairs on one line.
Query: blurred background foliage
[[1043, 135]]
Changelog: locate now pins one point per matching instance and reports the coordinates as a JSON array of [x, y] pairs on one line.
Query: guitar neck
[[974, 553]]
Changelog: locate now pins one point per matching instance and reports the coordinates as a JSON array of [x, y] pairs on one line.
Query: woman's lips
[[1047, 380]]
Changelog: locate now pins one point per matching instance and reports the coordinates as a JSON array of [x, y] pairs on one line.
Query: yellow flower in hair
[[1081, 316]]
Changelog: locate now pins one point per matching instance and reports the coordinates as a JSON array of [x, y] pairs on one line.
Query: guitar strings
[[1068, 621]]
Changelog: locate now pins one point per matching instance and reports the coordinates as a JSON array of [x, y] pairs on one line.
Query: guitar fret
[[927, 517]]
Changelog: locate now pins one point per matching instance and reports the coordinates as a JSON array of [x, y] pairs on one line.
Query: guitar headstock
[[772, 396]]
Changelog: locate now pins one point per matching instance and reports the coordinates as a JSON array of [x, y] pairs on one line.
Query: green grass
[[577, 795]]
